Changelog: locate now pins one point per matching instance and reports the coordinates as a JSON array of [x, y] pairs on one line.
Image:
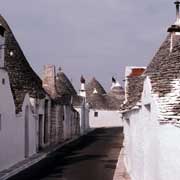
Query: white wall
[[11, 133], [12, 138], [105, 119], [38, 107], [32, 125], [151, 149], [169, 158]]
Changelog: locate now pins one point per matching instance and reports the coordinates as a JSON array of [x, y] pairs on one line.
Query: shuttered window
[[95, 114]]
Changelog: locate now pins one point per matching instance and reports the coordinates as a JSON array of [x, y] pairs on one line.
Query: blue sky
[[90, 37]]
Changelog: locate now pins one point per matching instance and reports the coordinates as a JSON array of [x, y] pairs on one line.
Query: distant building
[[104, 108], [64, 118]]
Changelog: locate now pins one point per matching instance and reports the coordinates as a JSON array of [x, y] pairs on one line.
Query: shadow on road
[[93, 156]]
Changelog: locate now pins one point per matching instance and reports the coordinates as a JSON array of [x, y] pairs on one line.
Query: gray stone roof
[[64, 86], [97, 101], [77, 101], [164, 73], [94, 84], [22, 78], [117, 92], [133, 91], [101, 100], [104, 102]]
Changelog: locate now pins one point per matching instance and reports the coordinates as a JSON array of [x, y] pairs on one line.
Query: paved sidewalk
[[20, 166], [120, 172]]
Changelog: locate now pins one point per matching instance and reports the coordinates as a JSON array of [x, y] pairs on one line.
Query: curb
[[121, 172]]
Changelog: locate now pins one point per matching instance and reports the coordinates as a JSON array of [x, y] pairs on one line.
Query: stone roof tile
[[63, 85], [164, 73]]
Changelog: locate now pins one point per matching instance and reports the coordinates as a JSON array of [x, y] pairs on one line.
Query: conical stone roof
[[22, 78], [98, 98], [164, 73], [94, 85], [97, 101], [64, 86], [117, 92]]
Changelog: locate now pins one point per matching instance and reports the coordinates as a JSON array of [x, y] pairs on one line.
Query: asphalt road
[[92, 157]]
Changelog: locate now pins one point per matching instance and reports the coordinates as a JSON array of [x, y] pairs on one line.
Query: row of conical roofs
[[98, 98], [24, 80], [96, 95]]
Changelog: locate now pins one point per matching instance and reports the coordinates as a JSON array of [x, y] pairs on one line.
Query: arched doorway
[[26, 132]]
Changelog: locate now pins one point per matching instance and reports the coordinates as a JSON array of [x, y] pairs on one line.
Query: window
[[148, 107], [3, 81], [95, 114]]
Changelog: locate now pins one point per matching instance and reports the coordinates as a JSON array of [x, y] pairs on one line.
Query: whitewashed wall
[[169, 158], [151, 150], [32, 125], [105, 119], [38, 109], [12, 133]]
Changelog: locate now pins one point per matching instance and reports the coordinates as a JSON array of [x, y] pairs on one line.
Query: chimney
[[132, 72], [175, 28], [115, 83], [49, 79], [177, 3], [82, 90]]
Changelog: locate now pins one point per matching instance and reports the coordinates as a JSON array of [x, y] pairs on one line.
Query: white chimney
[[82, 90]]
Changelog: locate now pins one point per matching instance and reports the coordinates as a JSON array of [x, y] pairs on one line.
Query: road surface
[[92, 157]]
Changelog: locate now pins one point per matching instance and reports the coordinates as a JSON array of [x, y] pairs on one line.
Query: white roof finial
[[95, 91]]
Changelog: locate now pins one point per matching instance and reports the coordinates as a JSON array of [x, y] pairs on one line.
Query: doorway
[[40, 132], [26, 132]]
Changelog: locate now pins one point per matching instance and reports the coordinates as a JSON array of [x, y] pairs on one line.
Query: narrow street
[[92, 157]]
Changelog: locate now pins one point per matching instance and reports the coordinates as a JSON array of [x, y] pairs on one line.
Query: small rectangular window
[[148, 107], [3, 81], [95, 114]]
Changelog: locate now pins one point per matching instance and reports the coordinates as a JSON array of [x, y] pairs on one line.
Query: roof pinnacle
[[175, 28], [177, 3]]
